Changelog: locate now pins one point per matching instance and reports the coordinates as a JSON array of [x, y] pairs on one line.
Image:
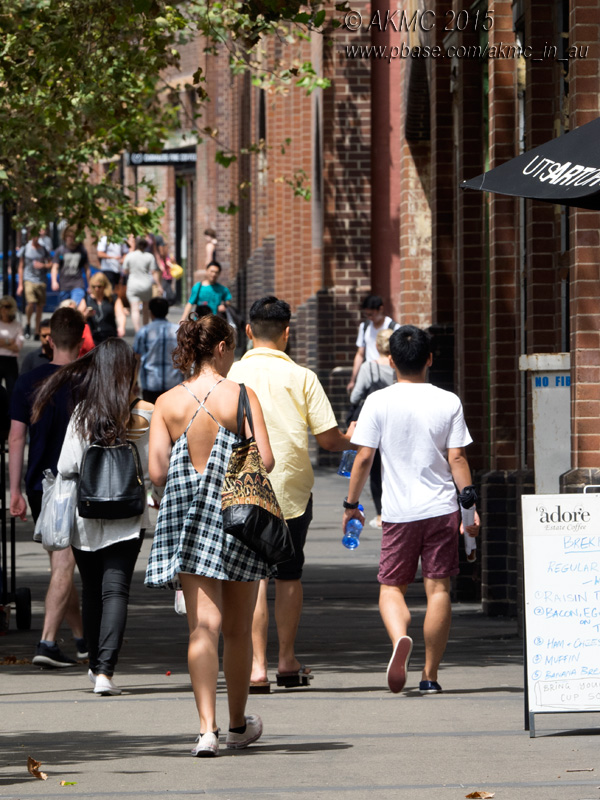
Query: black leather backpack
[[111, 482]]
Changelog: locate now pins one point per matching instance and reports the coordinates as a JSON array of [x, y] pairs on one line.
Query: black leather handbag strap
[[244, 408]]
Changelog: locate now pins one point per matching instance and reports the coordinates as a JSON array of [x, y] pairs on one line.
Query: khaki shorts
[[35, 292]]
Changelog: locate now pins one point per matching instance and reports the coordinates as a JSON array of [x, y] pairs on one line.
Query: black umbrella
[[565, 170]]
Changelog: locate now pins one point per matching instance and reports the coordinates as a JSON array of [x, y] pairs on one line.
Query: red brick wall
[[584, 96], [387, 138], [411, 286], [543, 221], [471, 297], [347, 189], [504, 254], [443, 180]]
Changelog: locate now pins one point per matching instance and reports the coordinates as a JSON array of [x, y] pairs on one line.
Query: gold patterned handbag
[[251, 512]]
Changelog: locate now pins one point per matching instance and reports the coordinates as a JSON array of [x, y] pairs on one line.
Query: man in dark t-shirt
[[46, 436], [45, 443], [43, 355]]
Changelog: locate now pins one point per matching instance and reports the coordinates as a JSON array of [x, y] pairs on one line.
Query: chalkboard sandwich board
[[561, 557]]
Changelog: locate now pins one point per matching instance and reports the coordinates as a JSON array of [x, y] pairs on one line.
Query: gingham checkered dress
[[189, 534]]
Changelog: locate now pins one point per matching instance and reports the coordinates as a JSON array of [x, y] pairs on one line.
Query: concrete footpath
[[344, 737]]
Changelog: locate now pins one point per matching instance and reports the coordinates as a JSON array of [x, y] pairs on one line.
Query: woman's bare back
[[222, 403]]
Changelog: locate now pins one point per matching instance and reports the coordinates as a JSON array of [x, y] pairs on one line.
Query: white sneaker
[[208, 746], [105, 686], [254, 729], [91, 676], [375, 522]]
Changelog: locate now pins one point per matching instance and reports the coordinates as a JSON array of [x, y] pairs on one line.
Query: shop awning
[[565, 170]]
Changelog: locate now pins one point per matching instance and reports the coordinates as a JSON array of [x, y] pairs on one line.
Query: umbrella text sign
[[565, 170]]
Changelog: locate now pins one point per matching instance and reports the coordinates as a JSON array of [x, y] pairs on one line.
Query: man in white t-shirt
[[375, 321], [421, 433]]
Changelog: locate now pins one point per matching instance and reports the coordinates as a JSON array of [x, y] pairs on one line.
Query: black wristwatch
[[346, 504]]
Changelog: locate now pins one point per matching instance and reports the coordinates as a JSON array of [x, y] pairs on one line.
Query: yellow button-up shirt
[[292, 401]]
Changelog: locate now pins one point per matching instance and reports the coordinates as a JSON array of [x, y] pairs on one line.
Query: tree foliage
[[80, 84]]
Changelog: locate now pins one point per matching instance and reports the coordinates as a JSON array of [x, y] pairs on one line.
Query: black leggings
[[105, 578]]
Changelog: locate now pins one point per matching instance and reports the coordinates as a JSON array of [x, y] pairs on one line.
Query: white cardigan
[[94, 534]]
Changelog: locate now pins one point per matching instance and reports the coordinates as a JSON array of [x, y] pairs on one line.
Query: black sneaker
[[82, 648], [27, 333], [51, 656]]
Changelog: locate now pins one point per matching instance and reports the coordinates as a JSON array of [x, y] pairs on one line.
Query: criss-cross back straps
[[201, 403]]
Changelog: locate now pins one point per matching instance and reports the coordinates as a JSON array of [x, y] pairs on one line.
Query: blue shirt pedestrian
[[155, 343]]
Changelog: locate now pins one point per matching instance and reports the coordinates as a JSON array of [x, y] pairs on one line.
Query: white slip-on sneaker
[[398, 666], [208, 745], [105, 686], [254, 729]]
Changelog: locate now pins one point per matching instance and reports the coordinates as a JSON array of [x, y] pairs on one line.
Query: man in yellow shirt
[[292, 401]]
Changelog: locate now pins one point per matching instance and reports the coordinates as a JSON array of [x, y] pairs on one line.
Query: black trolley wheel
[[23, 609]]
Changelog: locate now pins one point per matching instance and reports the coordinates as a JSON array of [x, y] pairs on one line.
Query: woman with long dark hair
[[193, 431], [107, 412]]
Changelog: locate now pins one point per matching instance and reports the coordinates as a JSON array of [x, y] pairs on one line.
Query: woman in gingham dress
[[193, 429]]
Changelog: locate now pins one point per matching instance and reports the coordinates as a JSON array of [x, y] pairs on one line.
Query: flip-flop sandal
[[398, 666], [292, 679], [260, 687]]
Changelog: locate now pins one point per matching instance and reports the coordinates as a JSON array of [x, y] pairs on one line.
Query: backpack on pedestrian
[[391, 326], [111, 481], [377, 382]]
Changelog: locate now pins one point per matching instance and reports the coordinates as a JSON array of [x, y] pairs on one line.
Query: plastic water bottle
[[351, 538], [345, 467]]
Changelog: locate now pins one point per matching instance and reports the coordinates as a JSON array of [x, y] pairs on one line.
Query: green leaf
[[319, 18], [231, 209], [223, 159]]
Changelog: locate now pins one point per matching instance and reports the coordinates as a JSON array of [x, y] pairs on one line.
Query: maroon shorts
[[434, 539]]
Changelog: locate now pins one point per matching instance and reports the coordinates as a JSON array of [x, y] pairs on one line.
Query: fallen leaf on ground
[[481, 795], [33, 767], [14, 660], [68, 783]]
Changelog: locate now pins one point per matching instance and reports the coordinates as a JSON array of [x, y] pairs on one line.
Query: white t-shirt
[[413, 425], [368, 340], [113, 251]]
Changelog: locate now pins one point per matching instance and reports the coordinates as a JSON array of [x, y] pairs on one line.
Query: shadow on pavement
[[75, 746], [340, 630]]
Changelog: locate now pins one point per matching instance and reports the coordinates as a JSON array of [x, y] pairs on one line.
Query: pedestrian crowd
[[175, 446], [129, 275]]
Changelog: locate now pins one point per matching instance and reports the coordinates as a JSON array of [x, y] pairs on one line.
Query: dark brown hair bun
[[197, 338]]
